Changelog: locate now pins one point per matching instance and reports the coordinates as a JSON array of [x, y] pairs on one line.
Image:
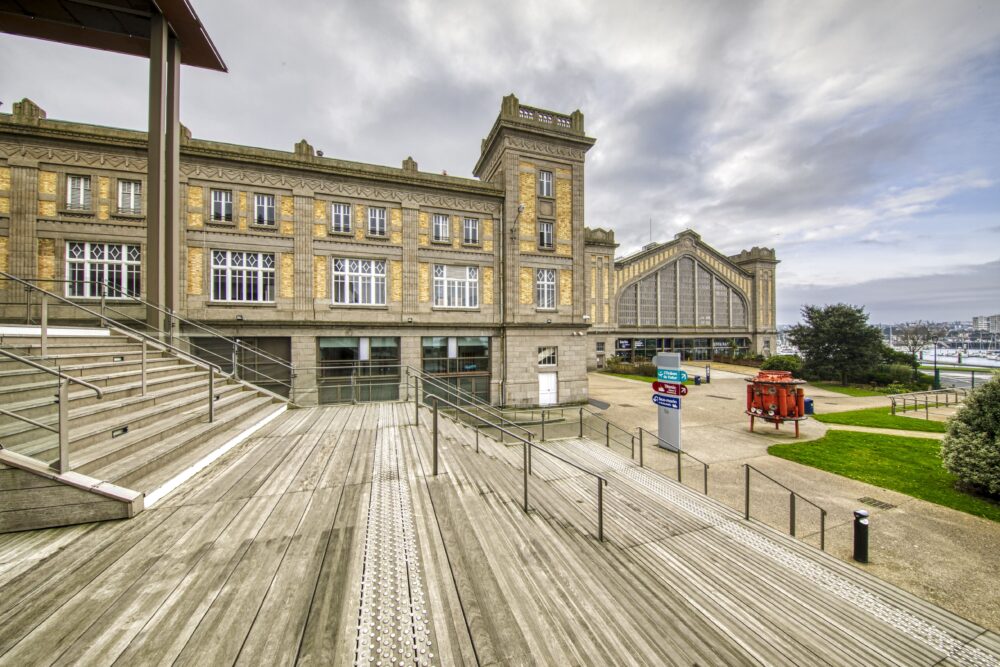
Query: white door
[[548, 389]]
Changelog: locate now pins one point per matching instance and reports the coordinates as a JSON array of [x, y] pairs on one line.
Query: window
[[340, 215], [242, 276], [359, 282], [545, 288], [462, 362], [545, 233], [547, 356], [545, 183], [130, 197], [600, 346], [376, 221], [470, 231], [263, 206], [456, 286], [442, 231], [78, 193], [112, 268], [222, 205]]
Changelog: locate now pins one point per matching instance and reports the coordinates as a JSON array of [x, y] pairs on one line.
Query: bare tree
[[915, 337]]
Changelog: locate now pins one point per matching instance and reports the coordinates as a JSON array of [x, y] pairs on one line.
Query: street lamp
[[937, 373]]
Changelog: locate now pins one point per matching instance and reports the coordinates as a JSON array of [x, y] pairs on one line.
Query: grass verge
[[907, 465], [847, 390], [881, 418]]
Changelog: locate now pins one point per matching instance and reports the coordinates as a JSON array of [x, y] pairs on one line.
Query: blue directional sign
[[671, 375], [672, 402]]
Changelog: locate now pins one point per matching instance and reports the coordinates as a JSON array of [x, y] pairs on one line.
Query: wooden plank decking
[[324, 539]]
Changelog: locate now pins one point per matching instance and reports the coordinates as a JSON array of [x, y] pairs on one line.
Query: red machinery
[[773, 396]]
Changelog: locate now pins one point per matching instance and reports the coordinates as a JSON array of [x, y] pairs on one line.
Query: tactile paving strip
[[903, 621], [393, 621]]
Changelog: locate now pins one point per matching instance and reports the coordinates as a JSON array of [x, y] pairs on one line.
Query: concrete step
[[46, 386]]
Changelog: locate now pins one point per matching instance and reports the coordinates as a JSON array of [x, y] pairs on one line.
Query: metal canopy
[[120, 26]]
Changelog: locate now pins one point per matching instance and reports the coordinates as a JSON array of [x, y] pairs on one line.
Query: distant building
[[987, 323], [492, 283]]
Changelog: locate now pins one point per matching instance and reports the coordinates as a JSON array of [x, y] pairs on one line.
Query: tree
[[971, 447], [915, 337], [837, 342]]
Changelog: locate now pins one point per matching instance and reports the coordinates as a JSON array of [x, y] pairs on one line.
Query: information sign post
[[668, 369]]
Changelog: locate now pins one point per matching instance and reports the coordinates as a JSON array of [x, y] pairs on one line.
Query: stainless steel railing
[[679, 456], [902, 402], [61, 429], [527, 447], [792, 495]]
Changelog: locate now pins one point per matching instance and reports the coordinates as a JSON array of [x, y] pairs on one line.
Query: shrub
[[892, 374], [782, 362], [971, 447]]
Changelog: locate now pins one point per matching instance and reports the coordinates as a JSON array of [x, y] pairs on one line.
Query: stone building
[[349, 271]]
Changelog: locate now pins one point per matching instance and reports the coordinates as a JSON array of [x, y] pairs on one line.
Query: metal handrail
[[791, 504], [527, 446], [607, 421], [102, 316], [679, 453], [152, 340], [473, 399], [53, 371], [935, 393]]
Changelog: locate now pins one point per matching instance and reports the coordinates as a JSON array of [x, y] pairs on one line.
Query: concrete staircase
[[122, 446]]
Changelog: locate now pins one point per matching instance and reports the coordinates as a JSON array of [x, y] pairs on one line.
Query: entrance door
[[548, 389]]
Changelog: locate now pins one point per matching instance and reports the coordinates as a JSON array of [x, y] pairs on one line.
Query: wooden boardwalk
[[324, 539]]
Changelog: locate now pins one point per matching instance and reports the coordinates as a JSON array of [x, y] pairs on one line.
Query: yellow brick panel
[[566, 287], [396, 237], [195, 271], [564, 211], [488, 286], [103, 187], [564, 249], [360, 221], [195, 194], [527, 198], [103, 211], [243, 212], [396, 218], [47, 261], [593, 313], [47, 209], [607, 313], [46, 182], [424, 281], [242, 223], [488, 234], [287, 276], [528, 246], [195, 220], [527, 287], [319, 277], [396, 275], [319, 210], [4, 205], [424, 227], [4, 262], [287, 227], [287, 207], [563, 172], [4, 178], [456, 231], [319, 230]]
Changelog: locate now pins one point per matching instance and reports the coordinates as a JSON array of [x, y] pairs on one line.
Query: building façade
[[493, 283]]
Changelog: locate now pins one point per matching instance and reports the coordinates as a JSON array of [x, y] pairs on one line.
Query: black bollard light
[[861, 536]]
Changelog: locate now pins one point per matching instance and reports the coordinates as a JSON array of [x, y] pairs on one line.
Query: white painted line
[[18, 330], [158, 494]]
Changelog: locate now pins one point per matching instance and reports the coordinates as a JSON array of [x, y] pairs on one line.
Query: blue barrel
[[697, 380], [809, 406]]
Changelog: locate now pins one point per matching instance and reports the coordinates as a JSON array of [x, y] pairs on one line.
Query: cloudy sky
[[859, 139]]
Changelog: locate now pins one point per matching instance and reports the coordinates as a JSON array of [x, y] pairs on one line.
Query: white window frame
[[548, 356], [263, 204], [129, 196], [358, 281], [92, 265], [244, 274], [545, 289], [546, 234], [376, 221], [544, 183], [224, 200], [470, 231], [78, 192], [341, 217], [441, 228], [456, 291]]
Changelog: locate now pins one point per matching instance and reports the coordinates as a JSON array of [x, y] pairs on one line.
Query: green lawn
[[978, 369], [882, 418], [908, 465], [841, 389]]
